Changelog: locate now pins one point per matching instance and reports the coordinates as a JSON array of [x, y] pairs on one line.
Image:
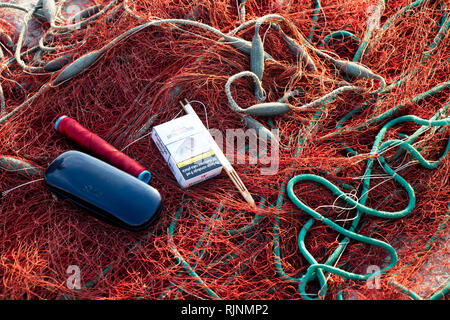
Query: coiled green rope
[[360, 205]]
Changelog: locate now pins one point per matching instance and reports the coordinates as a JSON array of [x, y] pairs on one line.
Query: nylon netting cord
[[360, 110]]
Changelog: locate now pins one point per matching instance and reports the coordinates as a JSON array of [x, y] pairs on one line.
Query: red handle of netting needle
[[93, 143]]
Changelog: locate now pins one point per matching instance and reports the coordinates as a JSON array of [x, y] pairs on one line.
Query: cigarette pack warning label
[[199, 165]]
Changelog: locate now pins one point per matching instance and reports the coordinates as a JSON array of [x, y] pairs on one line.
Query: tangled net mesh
[[231, 248]]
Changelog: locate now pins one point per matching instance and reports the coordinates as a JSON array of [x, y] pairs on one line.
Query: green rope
[[340, 34], [315, 17], [378, 148]]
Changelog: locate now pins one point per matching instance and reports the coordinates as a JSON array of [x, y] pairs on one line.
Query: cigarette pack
[[185, 146]]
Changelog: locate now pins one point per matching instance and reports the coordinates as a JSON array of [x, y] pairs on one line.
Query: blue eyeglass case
[[110, 194]]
